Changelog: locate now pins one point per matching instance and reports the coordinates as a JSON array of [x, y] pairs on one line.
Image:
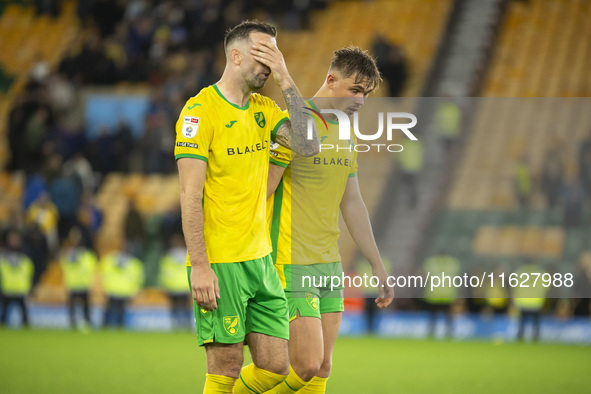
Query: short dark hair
[[354, 62], [243, 30]]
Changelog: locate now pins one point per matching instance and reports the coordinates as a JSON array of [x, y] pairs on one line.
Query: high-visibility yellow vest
[[523, 177], [122, 274], [173, 271], [530, 298], [16, 273], [448, 118], [79, 267], [411, 157], [440, 265]]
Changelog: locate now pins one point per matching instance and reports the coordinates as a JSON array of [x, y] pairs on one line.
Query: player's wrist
[[286, 82]]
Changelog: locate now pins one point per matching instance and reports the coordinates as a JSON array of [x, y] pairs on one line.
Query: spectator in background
[[391, 62], [585, 165], [16, 276], [156, 144], [79, 268], [122, 143], [497, 298], [573, 199], [61, 93], [411, 161], [529, 300], [34, 132], [552, 176], [80, 170], [448, 121], [122, 278], [45, 214], [522, 182], [90, 218], [100, 152], [105, 14], [440, 299], [135, 233], [173, 279], [582, 288], [65, 194], [16, 137], [35, 246], [171, 224], [35, 186]]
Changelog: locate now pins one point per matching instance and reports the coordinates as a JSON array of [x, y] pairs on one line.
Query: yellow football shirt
[[304, 210], [234, 141]]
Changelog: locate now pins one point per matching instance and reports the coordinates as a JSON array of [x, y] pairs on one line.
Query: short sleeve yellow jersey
[[234, 141]]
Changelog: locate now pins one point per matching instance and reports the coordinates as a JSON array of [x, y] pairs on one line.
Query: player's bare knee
[[230, 368], [325, 368], [279, 367], [307, 370], [224, 360]]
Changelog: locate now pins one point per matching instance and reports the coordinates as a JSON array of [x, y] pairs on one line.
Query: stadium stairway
[[536, 55], [462, 52]]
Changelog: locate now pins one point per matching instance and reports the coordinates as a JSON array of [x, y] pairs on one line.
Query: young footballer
[[308, 193], [223, 136]]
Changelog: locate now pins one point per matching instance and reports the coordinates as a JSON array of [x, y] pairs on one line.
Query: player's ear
[[235, 56], [331, 80]]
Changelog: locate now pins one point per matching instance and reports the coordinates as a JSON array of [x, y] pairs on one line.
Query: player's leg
[[269, 367], [223, 366], [72, 310], [23, 305], [306, 347], [4, 301], [331, 308], [331, 323], [306, 350], [222, 330], [85, 307], [267, 328]]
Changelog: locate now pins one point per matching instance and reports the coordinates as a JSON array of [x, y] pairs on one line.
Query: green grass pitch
[[38, 361]]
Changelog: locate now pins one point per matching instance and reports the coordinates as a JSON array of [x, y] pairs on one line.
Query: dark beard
[[255, 83]]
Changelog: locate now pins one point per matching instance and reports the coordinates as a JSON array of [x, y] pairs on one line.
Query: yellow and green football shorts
[[308, 289], [251, 300]]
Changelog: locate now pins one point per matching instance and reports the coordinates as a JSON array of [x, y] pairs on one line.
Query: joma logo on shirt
[[248, 149]]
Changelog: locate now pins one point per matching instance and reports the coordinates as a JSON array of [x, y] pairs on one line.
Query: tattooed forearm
[[294, 135]]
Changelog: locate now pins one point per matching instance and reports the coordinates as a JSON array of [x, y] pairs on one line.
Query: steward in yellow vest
[[173, 279], [441, 298], [122, 278], [529, 300], [79, 270], [16, 277]]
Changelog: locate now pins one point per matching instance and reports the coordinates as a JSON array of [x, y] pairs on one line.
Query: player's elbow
[[312, 150]]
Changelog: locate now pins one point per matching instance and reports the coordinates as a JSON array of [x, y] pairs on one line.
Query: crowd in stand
[[171, 46]]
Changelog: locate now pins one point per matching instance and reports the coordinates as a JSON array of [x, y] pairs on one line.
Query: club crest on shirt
[[259, 117], [231, 324], [190, 126], [312, 300]]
